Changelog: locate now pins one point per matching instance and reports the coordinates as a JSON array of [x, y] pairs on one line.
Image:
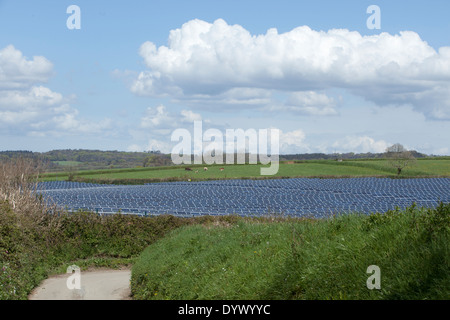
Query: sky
[[135, 71]]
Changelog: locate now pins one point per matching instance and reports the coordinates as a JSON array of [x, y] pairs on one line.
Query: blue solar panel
[[295, 197]]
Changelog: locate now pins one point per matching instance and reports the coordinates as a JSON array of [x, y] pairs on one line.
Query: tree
[[71, 172], [399, 157], [156, 160]]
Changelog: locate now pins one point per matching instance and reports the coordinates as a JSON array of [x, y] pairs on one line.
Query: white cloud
[[28, 108], [157, 145], [33, 97], [189, 116], [157, 125], [295, 138], [293, 142], [68, 121], [208, 60], [307, 103], [160, 118], [156, 118], [16, 71], [362, 144]]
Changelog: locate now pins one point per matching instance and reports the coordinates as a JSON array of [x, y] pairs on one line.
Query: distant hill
[[343, 156], [81, 159]]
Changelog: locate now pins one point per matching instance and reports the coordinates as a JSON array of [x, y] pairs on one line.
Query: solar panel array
[[295, 197]]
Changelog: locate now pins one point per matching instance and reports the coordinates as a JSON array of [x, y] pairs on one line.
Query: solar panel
[[294, 197]]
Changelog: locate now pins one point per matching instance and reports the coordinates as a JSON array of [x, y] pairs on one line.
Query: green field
[[68, 163], [317, 168]]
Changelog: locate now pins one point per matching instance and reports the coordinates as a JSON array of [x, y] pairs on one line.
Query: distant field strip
[[295, 197], [324, 168]]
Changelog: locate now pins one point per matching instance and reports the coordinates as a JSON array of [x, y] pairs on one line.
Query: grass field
[[302, 259], [325, 168]]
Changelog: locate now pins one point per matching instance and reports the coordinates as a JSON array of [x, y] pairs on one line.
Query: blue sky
[[137, 70]]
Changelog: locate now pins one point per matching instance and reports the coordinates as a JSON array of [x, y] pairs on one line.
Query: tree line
[[97, 159]]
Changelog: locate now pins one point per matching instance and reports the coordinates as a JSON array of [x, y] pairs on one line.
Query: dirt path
[[94, 285]]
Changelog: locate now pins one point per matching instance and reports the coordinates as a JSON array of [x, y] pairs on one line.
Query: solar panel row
[[296, 197]]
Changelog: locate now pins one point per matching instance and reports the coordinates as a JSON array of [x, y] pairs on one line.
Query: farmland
[[312, 168], [300, 188]]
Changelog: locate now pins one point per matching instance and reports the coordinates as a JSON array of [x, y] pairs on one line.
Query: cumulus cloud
[[156, 118], [295, 138], [157, 125], [16, 71], [306, 103], [293, 142], [66, 119], [189, 116], [209, 60], [35, 96], [161, 118], [362, 144], [27, 107]]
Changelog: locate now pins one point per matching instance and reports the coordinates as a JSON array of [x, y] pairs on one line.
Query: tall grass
[[306, 259]]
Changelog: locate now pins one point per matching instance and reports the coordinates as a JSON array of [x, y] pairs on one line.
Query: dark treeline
[[90, 159], [343, 156], [82, 159]]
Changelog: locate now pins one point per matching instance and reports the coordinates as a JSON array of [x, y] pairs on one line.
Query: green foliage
[[35, 245], [308, 259], [31, 247], [156, 160]]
